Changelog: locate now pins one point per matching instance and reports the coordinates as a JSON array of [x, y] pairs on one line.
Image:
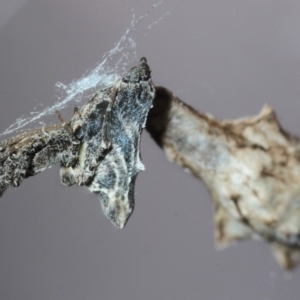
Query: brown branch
[[251, 167]]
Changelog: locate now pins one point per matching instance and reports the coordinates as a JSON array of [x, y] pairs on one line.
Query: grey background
[[223, 57]]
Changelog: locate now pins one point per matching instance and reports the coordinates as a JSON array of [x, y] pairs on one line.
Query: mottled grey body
[[98, 148], [115, 176], [109, 156]]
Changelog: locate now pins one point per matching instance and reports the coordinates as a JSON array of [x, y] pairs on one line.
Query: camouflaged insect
[[98, 148]]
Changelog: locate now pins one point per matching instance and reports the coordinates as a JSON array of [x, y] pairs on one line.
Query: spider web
[[114, 65]]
